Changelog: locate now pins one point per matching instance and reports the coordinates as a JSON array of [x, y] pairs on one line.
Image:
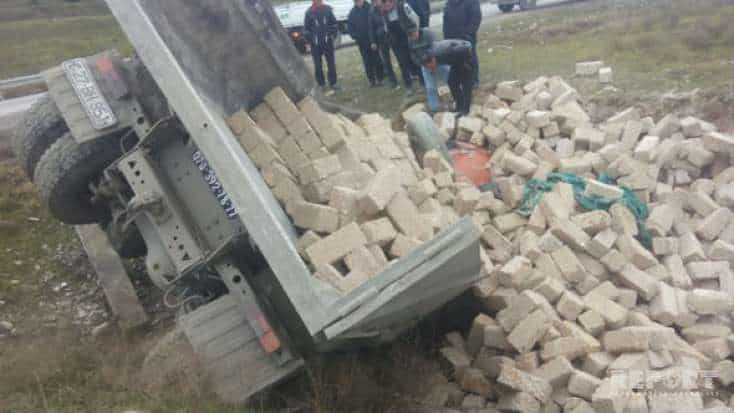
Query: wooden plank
[[112, 276], [236, 363]]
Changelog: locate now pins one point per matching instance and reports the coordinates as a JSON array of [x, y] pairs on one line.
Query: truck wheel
[[506, 8], [39, 129], [64, 173]]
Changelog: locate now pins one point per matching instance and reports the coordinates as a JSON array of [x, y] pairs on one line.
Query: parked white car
[[506, 6], [292, 15]]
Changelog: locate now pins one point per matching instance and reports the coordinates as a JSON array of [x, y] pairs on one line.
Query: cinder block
[[515, 272], [602, 243], [588, 138], [521, 381], [569, 347], [588, 68], [570, 234], [329, 132], [344, 284], [362, 261], [319, 169], [527, 333], [593, 222], [583, 384], [556, 371], [714, 223], [316, 217], [635, 252], [592, 322], [709, 302], [421, 191], [613, 314], [638, 280], [570, 305], [518, 165], [403, 245], [380, 231], [466, 200], [570, 266], [337, 245], [407, 219], [306, 240], [690, 248], [623, 221], [380, 191]]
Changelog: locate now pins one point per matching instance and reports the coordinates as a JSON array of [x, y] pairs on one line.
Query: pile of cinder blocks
[[578, 315], [592, 68], [354, 189]]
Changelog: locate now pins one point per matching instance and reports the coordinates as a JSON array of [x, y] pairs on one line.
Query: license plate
[[95, 105], [216, 187]]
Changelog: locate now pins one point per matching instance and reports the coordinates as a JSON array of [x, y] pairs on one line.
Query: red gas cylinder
[[470, 161]]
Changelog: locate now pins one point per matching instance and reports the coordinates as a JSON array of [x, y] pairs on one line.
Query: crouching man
[[454, 53]]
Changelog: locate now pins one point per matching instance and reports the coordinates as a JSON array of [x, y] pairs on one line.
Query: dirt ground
[[64, 353]]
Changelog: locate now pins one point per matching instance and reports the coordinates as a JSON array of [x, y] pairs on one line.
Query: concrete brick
[[380, 191], [588, 138], [709, 302], [556, 371], [337, 245], [690, 248], [466, 200], [454, 359], [549, 242], [601, 243], [665, 245], [518, 307], [421, 191], [623, 221], [331, 135], [380, 231], [403, 245], [319, 169], [705, 331], [583, 384], [707, 270], [268, 122], [306, 240], [646, 149], [627, 298], [713, 224], [518, 165], [518, 402], [509, 222], [362, 261], [722, 250], [610, 398], [551, 288], [635, 252], [264, 155], [316, 217], [475, 340], [661, 220], [569, 348], [664, 307], [592, 322], [593, 222], [570, 234], [554, 208], [638, 280], [407, 219], [678, 272], [509, 91], [718, 142], [716, 349], [472, 380], [547, 266], [614, 261], [490, 363], [570, 306], [518, 380], [571, 268], [292, 154], [379, 255], [699, 202], [527, 333], [613, 314], [343, 284], [588, 68], [606, 75]]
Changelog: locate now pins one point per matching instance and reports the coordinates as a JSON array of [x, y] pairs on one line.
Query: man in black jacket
[[461, 20], [379, 41], [457, 54], [360, 23], [401, 20], [320, 29]]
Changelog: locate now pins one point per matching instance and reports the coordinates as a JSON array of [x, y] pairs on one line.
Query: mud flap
[[410, 289], [228, 348]]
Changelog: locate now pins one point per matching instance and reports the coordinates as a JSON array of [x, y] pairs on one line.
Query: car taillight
[[295, 35]]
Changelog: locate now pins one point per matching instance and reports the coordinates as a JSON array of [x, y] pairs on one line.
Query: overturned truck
[[142, 147]]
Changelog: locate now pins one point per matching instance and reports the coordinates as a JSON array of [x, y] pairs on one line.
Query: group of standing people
[[400, 27]]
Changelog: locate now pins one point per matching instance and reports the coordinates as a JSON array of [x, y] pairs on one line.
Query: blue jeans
[[431, 79]]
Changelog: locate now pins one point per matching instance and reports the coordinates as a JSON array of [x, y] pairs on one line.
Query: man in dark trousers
[[360, 24], [423, 9], [401, 20], [320, 29], [457, 54], [379, 41], [461, 20]]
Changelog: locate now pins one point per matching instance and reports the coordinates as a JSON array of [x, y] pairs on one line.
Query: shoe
[[394, 84], [378, 83], [373, 85], [336, 87]]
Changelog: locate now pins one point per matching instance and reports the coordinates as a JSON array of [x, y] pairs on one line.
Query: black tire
[[128, 243], [64, 173], [42, 125], [506, 8]]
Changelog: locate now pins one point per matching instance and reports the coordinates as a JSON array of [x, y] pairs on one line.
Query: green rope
[[536, 188]]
